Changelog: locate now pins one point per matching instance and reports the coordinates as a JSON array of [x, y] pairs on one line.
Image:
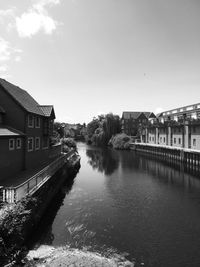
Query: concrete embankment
[[17, 221]]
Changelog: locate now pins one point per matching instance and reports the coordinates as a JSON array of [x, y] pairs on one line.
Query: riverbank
[[18, 220], [64, 256]]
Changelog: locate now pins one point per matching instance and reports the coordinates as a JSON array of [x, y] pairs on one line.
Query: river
[[124, 203]]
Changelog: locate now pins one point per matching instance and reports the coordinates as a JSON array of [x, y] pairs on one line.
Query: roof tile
[[22, 97]]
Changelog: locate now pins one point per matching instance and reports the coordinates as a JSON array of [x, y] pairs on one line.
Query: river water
[[124, 203]]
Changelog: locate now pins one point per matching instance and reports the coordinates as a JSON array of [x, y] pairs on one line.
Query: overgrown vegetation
[[120, 141], [15, 221], [101, 129], [68, 144]]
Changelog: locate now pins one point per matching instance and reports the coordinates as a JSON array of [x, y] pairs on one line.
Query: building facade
[[132, 121], [25, 130], [179, 127]]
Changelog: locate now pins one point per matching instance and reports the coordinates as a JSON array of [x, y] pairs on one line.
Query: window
[[37, 143], [164, 139], [160, 139], [174, 140], [1, 118], [30, 144], [194, 142], [30, 121], [37, 122], [179, 141], [11, 144], [19, 143]]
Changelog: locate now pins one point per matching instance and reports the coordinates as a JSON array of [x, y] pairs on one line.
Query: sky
[[91, 57]]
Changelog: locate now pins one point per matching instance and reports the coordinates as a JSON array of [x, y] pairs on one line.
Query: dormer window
[[30, 121]]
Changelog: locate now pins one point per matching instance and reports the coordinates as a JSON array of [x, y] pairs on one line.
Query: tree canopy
[[101, 129]]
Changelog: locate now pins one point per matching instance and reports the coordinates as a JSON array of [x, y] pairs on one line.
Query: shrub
[[120, 141], [68, 143]]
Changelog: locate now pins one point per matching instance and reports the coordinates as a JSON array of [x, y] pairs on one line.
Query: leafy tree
[[101, 129]]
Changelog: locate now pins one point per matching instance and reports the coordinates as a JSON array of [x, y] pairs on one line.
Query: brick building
[[132, 120], [25, 131]]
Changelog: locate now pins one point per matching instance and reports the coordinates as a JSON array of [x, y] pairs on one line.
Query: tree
[[101, 129]]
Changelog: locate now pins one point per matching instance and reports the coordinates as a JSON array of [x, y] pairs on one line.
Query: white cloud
[[7, 13], [17, 58], [36, 19], [40, 4], [32, 22], [6, 50]]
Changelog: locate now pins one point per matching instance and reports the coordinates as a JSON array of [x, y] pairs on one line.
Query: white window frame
[[13, 146], [37, 138], [37, 119], [30, 125], [20, 143], [30, 138]]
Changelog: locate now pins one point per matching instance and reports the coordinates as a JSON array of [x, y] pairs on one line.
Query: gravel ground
[[46, 256]]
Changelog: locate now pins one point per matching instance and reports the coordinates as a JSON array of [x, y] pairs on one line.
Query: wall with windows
[[195, 137], [163, 139], [151, 138], [11, 156], [37, 142], [177, 140]]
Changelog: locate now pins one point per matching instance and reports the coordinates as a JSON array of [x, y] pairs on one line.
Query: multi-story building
[[131, 121], [178, 127], [25, 131]]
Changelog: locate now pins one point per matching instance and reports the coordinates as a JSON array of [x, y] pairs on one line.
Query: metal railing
[[30, 186]]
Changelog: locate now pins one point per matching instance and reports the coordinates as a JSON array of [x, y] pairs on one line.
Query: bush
[[120, 141], [68, 143]]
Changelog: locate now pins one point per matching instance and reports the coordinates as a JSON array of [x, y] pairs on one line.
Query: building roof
[[135, 114], [22, 97], [2, 110], [8, 131], [48, 110]]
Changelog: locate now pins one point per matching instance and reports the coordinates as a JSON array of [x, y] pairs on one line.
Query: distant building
[[180, 114], [25, 130], [178, 127], [132, 120]]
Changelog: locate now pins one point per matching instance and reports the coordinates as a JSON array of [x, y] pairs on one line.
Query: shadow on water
[[43, 231], [105, 160]]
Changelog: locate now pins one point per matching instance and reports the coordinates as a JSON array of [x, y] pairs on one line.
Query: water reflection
[[44, 231], [128, 203], [105, 160]]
